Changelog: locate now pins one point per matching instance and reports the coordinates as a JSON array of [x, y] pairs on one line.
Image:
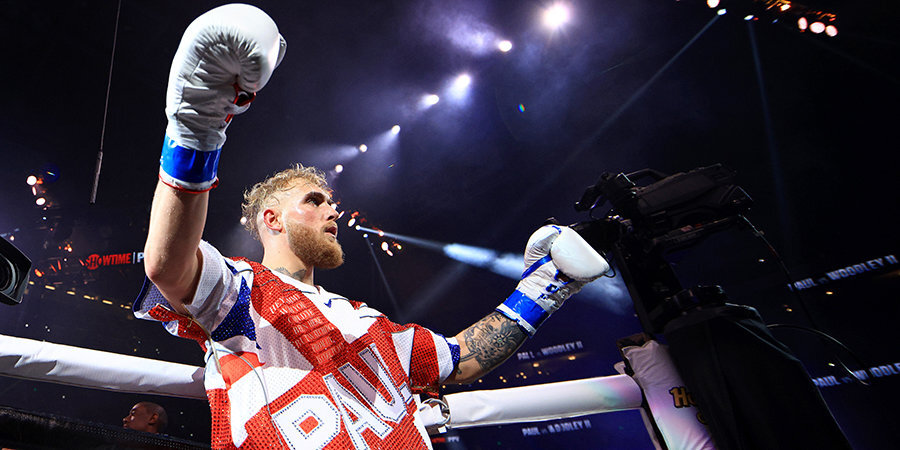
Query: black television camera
[[645, 222], [752, 392], [14, 271]]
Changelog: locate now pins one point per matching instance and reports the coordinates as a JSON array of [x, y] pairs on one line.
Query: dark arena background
[[478, 121]]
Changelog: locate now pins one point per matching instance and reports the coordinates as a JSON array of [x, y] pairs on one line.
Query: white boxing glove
[[559, 262], [225, 57]]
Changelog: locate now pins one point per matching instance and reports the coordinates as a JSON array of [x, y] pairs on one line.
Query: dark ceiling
[[808, 122]]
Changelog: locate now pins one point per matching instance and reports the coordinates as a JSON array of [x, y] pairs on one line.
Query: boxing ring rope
[[650, 385], [557, 401], [76, 366]]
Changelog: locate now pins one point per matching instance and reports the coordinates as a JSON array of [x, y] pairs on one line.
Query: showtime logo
[[93, 262]]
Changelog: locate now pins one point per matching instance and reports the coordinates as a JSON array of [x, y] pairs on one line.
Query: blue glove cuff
[[190, 169], [525, 311]]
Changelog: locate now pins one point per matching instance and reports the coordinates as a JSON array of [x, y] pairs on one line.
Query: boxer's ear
[[272, 220]]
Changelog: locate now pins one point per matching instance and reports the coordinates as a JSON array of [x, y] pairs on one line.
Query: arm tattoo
[[298, 275], [492, 340]]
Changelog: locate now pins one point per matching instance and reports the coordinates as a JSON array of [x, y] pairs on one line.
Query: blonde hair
[[268, 192]]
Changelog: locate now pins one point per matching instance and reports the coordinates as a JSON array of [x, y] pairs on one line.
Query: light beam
[[610, 293]]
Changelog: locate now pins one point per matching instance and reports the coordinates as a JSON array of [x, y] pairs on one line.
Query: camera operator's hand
[[559, 262]]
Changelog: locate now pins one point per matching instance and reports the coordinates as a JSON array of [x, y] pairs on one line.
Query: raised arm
[[225, 57], [172, 259], [558, 263]]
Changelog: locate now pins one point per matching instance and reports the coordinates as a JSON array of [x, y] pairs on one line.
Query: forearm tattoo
[[492, 340]]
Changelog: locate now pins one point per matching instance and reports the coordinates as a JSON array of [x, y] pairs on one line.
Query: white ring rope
[[76, 366], [543, 401]]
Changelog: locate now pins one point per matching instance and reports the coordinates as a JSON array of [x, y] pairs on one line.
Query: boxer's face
[[309, 216], [138, 418]]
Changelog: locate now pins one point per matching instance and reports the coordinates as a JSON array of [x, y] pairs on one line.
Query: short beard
[[313, 248]]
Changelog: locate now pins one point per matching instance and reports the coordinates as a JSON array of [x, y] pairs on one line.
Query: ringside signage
[[95, 261], [850, 271]]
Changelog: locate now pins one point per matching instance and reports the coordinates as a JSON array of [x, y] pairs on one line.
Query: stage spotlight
[[363, 148], [460, 86], [31, 180], [817, 27], [748, 17], [802, 23], [395, 129], [384, 245], [338, 168], [556, 16], [40, 201], [721, 12], [430, 100], [504, 46], [785, 6], [831, 30], [712, 3], [243, 221]]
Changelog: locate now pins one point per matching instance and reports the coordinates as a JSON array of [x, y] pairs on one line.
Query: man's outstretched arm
[[485, 345], [558, 263], [225, 57]]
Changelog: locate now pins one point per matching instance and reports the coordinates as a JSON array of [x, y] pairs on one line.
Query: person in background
[[147, 417]]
